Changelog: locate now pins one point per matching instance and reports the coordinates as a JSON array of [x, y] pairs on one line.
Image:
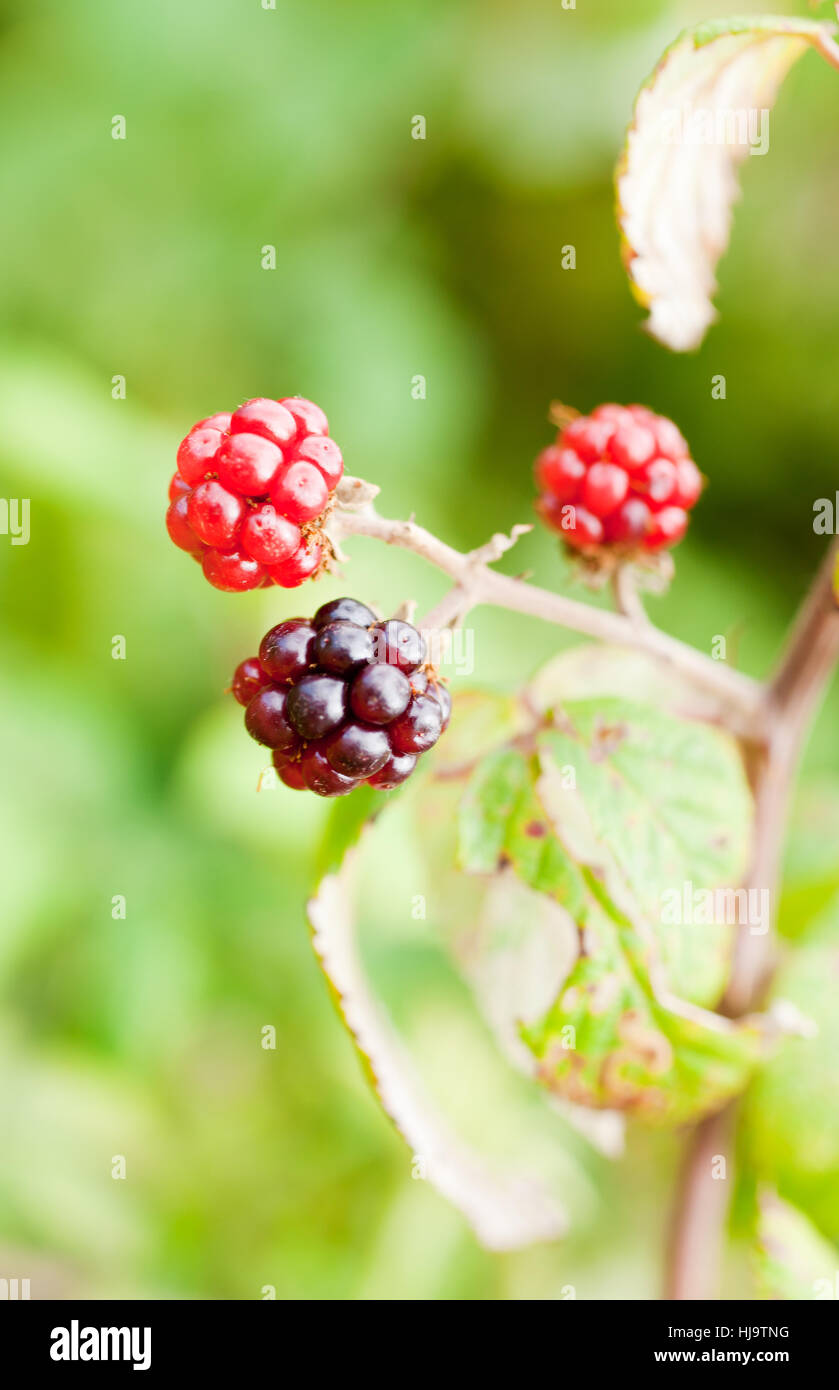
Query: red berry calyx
[[342, 699], [618, 484], [252, 492]]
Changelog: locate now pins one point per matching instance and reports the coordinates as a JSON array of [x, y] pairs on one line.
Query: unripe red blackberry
[[304, 563], [251, 493], [342, 699], [618, 482], [180, 531]]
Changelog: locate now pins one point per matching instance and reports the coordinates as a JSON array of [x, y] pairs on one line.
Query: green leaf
[[676, 180], [666, 801], [512, 944], [502, 822], [610, 1039], [792, 1259], [615, 1035]]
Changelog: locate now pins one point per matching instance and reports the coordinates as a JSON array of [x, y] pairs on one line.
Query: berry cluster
[[342, 699], [620, 479], [250, 493]]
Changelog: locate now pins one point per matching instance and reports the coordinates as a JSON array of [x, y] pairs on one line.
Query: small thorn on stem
[[355, 492]]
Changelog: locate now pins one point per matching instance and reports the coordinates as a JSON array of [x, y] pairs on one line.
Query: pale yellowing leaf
[[699, 115]]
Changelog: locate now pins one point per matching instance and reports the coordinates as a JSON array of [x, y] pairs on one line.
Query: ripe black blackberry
[[342, 699]]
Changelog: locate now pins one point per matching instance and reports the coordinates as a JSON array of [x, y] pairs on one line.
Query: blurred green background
[[141, 258]]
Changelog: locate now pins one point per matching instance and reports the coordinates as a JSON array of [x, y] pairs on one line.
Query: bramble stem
[[696, 1238], [740, 698], [828, 47], [628, 601]]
